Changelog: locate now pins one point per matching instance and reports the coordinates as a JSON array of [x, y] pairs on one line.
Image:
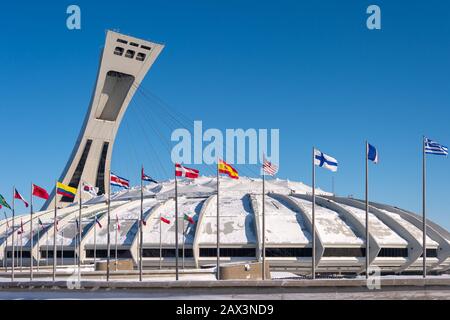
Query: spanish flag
[[66, 191], [227, 169]]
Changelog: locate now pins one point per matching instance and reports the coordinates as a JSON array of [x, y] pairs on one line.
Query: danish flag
[[182, 171]]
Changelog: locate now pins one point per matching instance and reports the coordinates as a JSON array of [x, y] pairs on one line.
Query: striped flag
[[325, 161], [182, 171], [432, 147], [65, 190], [147, 178], [225, 168], [269, 168], [119, 182]]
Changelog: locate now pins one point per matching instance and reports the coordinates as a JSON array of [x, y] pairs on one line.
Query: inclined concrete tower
[[123, 65]]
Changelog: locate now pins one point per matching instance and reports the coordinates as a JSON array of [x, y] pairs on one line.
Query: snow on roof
[[128, 216], [237, 224], [331, 228], [416, 232], [188, 206], [384, 235], [284, 225]]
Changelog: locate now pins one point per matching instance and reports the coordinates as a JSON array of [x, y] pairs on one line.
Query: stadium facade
[[395, 234]]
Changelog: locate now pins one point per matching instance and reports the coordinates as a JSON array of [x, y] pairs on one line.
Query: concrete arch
[[195, 246], [414, 246], [320, 249], [432, 232], [374, 246]]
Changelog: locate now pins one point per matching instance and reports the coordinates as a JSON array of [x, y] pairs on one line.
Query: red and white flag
[[17, 195], [269, 168], [182, 171], [119, 182], [167, 221], [117, 223], [87, 188]]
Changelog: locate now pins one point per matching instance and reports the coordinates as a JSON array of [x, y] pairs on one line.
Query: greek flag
[[323, 160], [432, 147]]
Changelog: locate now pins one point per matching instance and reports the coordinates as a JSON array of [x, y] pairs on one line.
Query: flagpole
[[79, 231], [54, 237], [95, 241], [176, 227], [75, 244], [184, 236], [46, 248], [5, 254], [218, 226], [108, 256], [141, 225], [115, 244], [313, 254], [424, 221], [31, 233], [13, 232], [62, 247], [367, 211], [160, 241], [263, 227], [21, 250], [38, 248]]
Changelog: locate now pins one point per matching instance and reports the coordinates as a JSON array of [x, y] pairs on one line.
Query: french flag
[[119, 182]]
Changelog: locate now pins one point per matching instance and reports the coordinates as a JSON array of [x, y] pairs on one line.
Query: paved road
[[223, 294]]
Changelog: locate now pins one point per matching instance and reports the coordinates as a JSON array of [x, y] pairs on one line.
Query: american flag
[[269, 168], [432, 147]]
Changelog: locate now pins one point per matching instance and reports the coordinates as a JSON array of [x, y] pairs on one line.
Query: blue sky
[[310, 68]]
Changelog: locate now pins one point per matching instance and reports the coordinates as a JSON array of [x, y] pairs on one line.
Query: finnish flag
[[325, 161], [372, 153]]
